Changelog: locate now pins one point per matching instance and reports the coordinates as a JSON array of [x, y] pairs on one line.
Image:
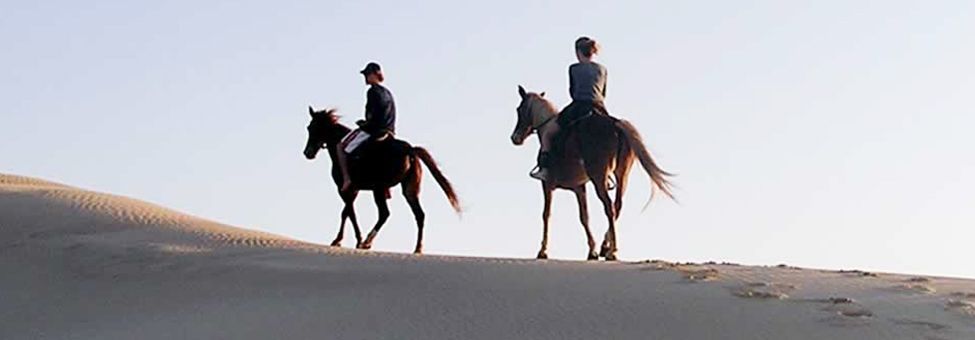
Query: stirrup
[[536, 173]]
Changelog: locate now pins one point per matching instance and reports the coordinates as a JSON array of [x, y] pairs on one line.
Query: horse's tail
[[431, 164], [657, 175]]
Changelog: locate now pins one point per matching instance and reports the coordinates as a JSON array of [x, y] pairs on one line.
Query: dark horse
[[382, 165], [591, 150]]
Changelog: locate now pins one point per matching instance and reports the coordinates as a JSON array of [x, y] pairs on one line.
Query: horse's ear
[[311, 111], [521, 91], [541, 94]]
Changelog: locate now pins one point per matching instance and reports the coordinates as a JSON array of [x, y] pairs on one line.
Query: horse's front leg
[[348, 211], [546, 212], [380, 198]]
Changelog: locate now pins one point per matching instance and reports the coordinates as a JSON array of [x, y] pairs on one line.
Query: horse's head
[[532, 110], [321, 127]]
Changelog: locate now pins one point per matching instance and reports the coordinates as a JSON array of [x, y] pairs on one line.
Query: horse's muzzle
[[517, 139]]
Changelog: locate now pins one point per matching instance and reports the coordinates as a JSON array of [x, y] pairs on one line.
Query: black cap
[[371, 68]]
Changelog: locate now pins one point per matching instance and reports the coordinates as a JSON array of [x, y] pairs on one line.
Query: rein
[[543, 123]]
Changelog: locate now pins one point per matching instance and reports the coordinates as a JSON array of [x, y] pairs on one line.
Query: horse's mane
[[331, 115]]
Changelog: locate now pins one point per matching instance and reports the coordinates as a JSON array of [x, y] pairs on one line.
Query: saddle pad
[[354, 139]]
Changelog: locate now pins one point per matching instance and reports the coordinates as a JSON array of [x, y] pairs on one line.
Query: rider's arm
[[572, 82]]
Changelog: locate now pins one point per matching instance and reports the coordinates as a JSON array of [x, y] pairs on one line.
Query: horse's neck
[[332, 150], [335, 136], [543, 118]]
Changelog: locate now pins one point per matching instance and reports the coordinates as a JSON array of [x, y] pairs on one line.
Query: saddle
[[365, 142], [580, 111], [386, 145]]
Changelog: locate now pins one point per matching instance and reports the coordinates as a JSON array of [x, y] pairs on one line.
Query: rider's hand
[[360, 122]]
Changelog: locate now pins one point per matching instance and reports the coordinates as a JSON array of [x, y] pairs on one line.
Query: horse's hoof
[[610, 257], [542, 255], [364, 246], [337, 243], [603, 251], [592, 256], [417, 252]]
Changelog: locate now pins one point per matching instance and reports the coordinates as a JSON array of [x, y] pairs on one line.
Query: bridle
[[321, 141], [543, 123], [535, 127]]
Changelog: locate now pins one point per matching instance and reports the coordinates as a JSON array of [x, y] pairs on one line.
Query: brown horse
[[382, 165], [590, 150]]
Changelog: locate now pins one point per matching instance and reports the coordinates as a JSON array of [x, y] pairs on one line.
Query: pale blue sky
[[829, 134]]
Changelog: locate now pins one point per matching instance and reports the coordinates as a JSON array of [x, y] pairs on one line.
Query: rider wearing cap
[[380, 122]]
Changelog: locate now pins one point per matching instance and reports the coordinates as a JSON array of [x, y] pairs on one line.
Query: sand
[[75, 264]]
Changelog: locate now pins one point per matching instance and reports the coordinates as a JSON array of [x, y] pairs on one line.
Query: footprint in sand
[[764, 290], [849, 318], [785, 266], [657, 265], [918, 279], [758, 294], [859, 273], [964, 295], [846, 311], [690, 271], [961, 306], [772, 285], [856, 313], [832, 300], [921, 324], [915, 288], [699, 275]]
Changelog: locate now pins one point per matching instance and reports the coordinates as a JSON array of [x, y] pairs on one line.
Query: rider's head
[[373, 74], [586, 48]]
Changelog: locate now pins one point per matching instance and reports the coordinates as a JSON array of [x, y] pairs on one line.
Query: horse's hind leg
[[622, 180], [609, 243], [622, 174], [337, 242], [411, 191], [584, 219], [380, 197]]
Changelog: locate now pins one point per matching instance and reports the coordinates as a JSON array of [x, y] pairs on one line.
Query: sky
[[825, 134]]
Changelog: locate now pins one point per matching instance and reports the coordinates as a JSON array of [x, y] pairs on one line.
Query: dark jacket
[[380, 111]]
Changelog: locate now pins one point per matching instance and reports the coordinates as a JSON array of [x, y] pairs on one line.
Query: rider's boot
[[541, 172]]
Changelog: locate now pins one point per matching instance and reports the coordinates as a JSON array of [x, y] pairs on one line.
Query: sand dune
[[76, 264]]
